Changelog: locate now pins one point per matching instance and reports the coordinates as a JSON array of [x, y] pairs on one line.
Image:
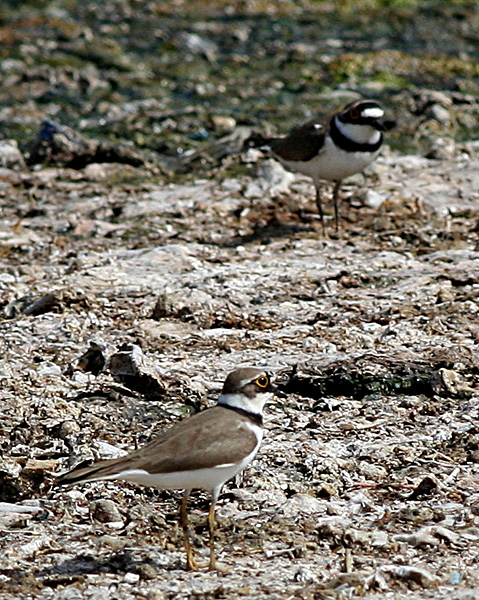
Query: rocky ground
[[134, 277]]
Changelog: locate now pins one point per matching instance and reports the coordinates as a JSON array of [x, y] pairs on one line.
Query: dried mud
[[130, 289]]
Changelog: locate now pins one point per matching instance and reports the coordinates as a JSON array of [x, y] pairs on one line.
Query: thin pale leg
[[211, 527], [337, 186], [190, 560], [319, 204]]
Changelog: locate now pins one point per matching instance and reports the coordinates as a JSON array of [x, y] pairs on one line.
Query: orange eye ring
[[262, 381], [354, 113]]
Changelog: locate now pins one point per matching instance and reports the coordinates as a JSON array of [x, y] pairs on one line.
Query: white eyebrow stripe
[[373, 113]]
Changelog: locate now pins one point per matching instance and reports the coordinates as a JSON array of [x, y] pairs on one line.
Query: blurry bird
[[343, 145]]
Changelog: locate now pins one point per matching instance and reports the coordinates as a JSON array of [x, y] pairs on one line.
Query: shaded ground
[[367, 482]]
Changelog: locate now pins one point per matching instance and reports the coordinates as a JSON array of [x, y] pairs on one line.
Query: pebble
[[105, 511], [377, 539], [421, 538], [223, 123], [440, 114], [74, 494], [455, 577], [272, 178], [410, 162], [112, 541], [147, 571], [10, 155], [372, 472], [9, 177], [442, 148], [416, 574], [374, 199], [156, 594], [303, 504], [48, 369], [67, 428]]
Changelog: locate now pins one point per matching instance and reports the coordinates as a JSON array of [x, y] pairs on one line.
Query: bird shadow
[[265, 233], [122, 561], [85, 564]]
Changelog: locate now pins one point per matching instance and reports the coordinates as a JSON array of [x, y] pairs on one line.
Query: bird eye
[[262, 381], [354, 113]]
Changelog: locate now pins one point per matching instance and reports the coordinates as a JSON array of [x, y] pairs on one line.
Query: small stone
[[445, 294], [475, 508], [273, 181], [417, 575], [374, 199], [372, 472], [9, 177], [146, 571], [131, 578], [10, 155], [422, 539], [48, 369], [156, 594], [358, 537], [411, 162], [111, 173], [223, 123], [93, 360], [440, 113], [455, 577], [112, 541], [447, 382], [37, 466], [10, 507], [302, 504], [130, 367], [470, 594], [105, 511], [442, 148], [40, 306]]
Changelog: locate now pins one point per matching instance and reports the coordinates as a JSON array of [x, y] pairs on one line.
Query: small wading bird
[[203, 451], [343, 145]]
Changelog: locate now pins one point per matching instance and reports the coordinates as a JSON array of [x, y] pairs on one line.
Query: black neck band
[[347, 144], [257, 419]]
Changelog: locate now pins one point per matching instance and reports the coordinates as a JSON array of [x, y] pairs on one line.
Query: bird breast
[[332, 163]]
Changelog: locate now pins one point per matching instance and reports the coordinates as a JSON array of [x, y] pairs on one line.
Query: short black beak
[[384, 124], [277, 392]]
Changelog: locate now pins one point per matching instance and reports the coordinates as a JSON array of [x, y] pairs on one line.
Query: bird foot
[[194, 565], [307, 216], [221, 568]]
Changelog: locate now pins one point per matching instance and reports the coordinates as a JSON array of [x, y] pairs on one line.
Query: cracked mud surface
[[128, 292]]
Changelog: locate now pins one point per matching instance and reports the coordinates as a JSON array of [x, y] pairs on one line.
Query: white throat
[[252, 405], [361, 134]]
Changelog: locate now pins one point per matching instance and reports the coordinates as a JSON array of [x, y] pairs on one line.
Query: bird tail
[[257, 140], [104, 469]]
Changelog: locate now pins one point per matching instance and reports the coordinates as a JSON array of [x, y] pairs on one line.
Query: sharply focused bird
[[203, 451], [345, 144]]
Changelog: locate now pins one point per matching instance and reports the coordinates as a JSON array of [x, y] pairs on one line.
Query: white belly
[[206, 479], [333, 163]]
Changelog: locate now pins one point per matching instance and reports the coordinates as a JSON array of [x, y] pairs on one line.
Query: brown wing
[[302, 144], [191, 444]]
